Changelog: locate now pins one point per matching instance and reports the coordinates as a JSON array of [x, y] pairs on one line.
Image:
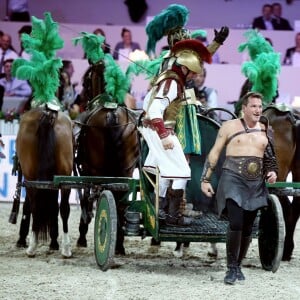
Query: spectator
[[266, 20], [14, 86], [292, 55], [105, 46], [24, 29], [66, 91], [280, 23], [126, 46], [18, 10], [6, 50], [207, 96]]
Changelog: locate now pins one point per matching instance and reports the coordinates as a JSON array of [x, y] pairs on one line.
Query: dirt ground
[[144, 273]]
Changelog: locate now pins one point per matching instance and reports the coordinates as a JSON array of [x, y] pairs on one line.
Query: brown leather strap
[[246, 130]]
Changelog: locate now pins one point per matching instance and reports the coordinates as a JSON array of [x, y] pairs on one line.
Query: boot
[[163, 208], [245, 242], [232, 249], [174, 216]]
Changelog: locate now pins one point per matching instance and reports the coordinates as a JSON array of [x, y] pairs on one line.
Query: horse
[[44, 147], [107, 145], [287, 149]]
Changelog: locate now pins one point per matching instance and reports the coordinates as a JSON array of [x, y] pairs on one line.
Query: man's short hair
[[249, 95]]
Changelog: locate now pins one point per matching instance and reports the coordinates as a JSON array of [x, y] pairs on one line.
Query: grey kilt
[[248, 194]]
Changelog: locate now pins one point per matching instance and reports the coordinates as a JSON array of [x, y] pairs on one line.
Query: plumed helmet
[[178, 34], [191, 53]]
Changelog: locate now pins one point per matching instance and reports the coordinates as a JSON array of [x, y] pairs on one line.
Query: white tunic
[[171, 163]]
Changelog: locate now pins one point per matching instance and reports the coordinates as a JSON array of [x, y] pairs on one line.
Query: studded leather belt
[[249, 167]]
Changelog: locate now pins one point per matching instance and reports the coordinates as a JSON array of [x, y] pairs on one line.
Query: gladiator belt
[[249, 167]]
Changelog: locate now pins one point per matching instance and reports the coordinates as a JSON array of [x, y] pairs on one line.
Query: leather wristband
[[159, 126], [207, 165]]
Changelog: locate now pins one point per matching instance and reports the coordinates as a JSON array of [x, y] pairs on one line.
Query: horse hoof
[[30, 252], [21, 243], [178, 252], [120, 251], [286, 257], [154, 242], [54, 246], [66, 252], [81, 242]]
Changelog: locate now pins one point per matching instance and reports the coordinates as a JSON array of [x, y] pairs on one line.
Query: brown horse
[[108, 145], [286, 142], [44, 148]]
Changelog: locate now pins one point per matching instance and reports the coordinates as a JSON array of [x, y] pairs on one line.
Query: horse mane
[[93, 80]]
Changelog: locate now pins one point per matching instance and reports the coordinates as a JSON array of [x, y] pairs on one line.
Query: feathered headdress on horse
[[42, 70], [263, 69], [116, 82]]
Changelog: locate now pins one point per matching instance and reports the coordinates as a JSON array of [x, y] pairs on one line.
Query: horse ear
[[136, 9]]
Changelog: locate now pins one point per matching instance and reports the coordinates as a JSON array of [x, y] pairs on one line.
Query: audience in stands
[[292, 55], [24, 29], [105, 46], [126, 46], [266, 20], [271, 18], [14, 87], [280, 23], [66, 92], [6, 50]]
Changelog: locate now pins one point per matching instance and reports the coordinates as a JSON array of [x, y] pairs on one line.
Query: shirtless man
[[241, 190]]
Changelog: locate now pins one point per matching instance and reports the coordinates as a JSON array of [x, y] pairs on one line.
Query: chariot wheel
[[105, 230], [271, 235]]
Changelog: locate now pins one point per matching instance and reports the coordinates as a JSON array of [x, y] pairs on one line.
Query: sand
[[144, 273]]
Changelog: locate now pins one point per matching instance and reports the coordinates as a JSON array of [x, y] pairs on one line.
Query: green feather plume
[[42, 73], [174, 16], [116, 83], [148, 67], [263, 69], [91, 44], [42, 70], [255, 45], [44, 37], [262, 73]]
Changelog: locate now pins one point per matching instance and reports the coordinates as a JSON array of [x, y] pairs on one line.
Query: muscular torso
[[245, 144]]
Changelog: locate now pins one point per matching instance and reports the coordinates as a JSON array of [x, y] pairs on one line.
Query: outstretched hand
[[221, 36]]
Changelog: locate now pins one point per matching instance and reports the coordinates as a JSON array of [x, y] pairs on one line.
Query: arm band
[[159, 126], [207, 165]]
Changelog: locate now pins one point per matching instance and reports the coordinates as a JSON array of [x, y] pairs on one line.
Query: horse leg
[[25, 223], [120, 250], [33, 242], [287, 214], [85, 219], [65, 213], [290, 229], [54, 221]]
